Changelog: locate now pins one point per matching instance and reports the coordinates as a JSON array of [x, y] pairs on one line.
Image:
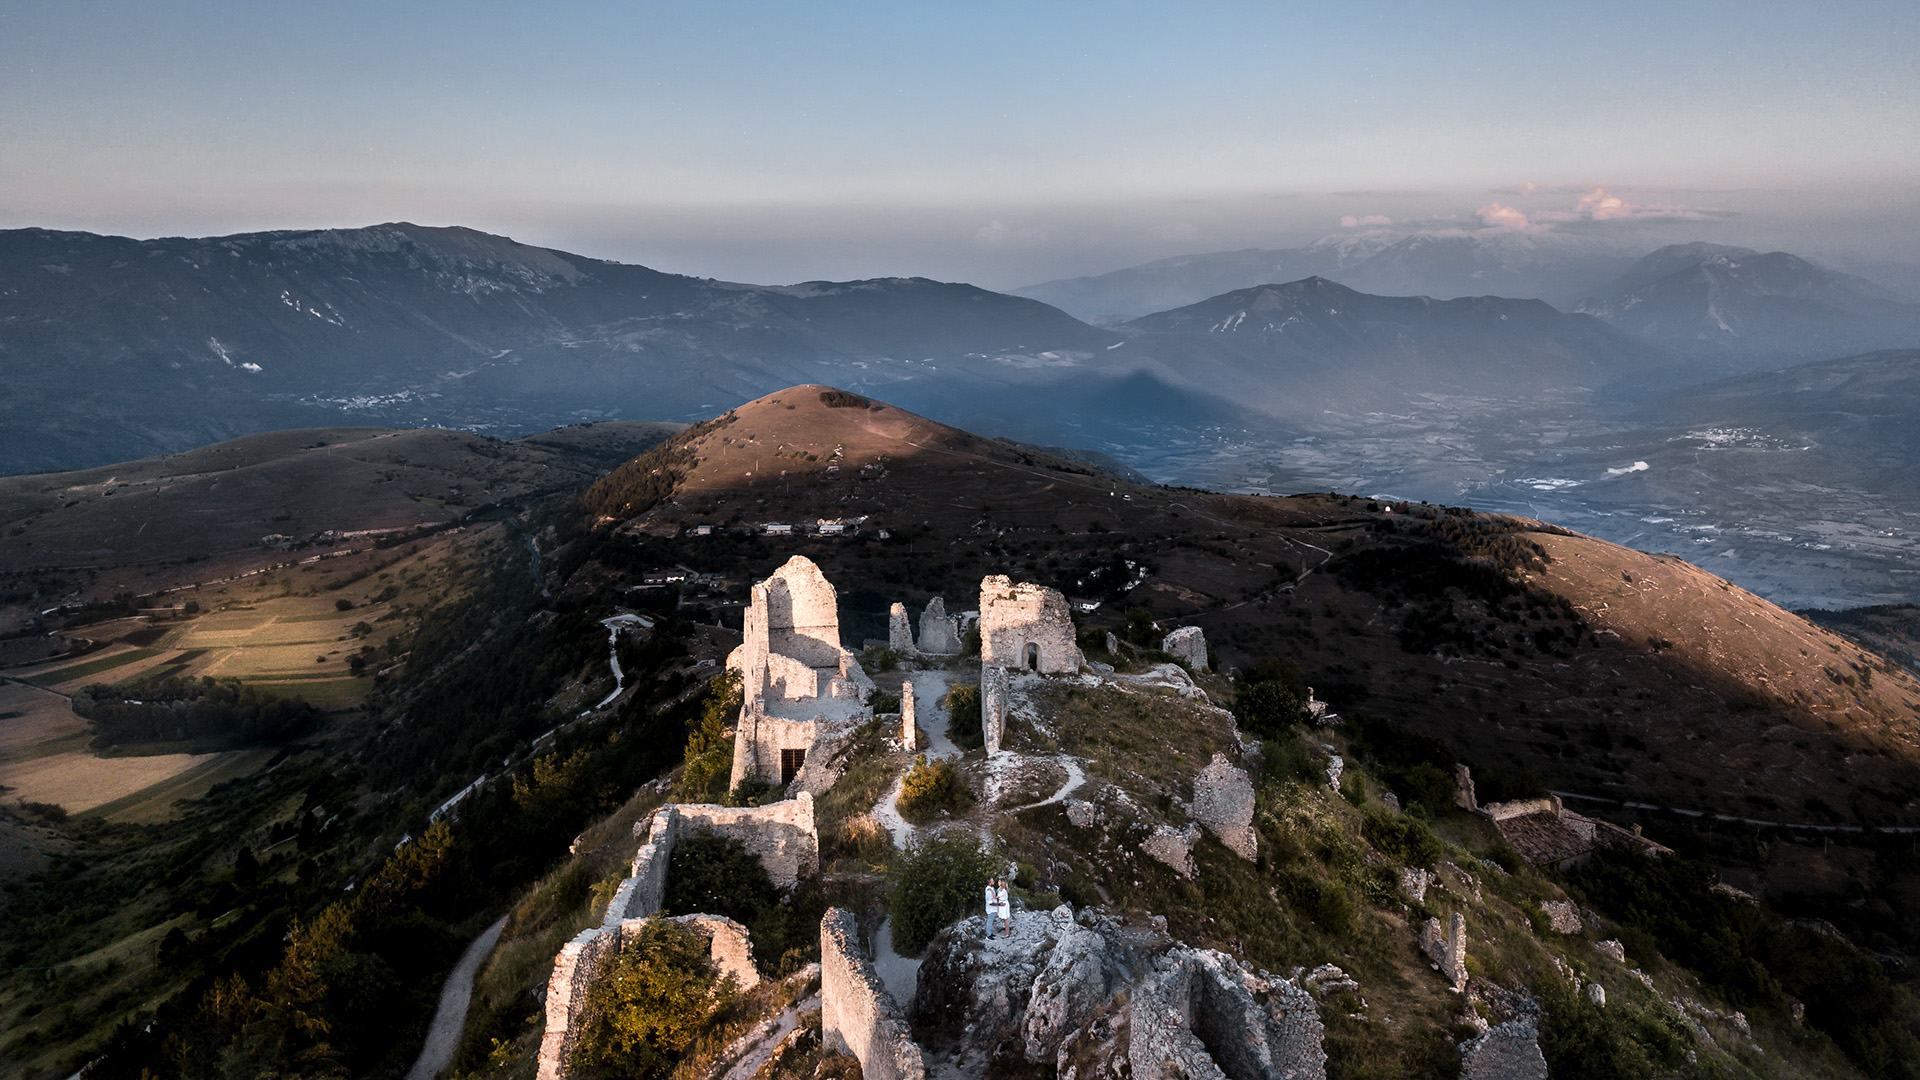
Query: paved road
[[444, 1036]]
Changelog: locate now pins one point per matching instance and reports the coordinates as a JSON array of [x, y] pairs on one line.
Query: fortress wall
[[857, 1015]]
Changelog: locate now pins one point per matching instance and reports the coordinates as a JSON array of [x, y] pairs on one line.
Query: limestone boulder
[[1188, 645], [1223, 802]]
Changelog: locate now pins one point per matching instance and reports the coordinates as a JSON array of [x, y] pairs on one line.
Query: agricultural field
[[322, 631]]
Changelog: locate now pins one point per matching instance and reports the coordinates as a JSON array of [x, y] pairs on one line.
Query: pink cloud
[[1351, 222], [1500, 215]]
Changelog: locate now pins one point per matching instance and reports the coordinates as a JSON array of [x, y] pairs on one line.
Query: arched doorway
[[1033, 657]]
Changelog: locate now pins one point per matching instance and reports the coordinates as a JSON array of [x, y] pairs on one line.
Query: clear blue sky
[[1000, 142]]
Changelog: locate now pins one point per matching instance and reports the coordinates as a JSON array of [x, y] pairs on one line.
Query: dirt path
[[930, 734], [451, 1017]]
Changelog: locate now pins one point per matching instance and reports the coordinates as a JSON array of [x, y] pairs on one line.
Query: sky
[[997, 143]]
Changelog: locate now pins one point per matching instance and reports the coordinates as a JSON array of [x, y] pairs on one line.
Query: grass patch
[[92, 667]]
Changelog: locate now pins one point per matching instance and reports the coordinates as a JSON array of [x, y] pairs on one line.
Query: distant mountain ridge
[[1446, 264], [1729, 299], [116, 348], [1316, 337]]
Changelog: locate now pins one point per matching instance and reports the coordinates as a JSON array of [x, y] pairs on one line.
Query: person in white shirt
[[993, 905], [1005, 905]]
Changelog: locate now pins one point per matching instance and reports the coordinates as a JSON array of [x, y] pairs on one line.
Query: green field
[[92, 667]]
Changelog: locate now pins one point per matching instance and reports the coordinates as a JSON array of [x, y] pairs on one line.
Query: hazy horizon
[[997, 144]]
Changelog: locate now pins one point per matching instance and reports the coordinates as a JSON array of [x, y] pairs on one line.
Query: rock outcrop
[[1098, 996], [1223, 802], [1509, 1051]]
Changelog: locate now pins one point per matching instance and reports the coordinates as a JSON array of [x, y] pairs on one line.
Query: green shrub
[[1268, 709], [963, 717], [648, 1004], [717, 875], [936, 882], [1402, 838], [930, 787]]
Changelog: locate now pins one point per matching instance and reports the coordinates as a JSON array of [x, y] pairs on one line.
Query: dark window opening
[[1033, 657], [791, 762]]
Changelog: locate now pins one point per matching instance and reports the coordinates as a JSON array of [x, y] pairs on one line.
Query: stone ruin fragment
[[1187, 644], [939, 632]]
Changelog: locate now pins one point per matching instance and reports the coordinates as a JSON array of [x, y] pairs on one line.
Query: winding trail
[[1075, 777], [614, 626], [443, 1036]]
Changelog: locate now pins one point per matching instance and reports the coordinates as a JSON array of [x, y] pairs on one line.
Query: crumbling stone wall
[[1223, 802], [1447, 948], [995, 687], [857, 1015], [899, 632], [908, 736], [581, 959], [1187, 644], [1562, 915], [1026, 626], [760, 738], [782, 836], [803, 613], [939, 632], [1509, 1051]]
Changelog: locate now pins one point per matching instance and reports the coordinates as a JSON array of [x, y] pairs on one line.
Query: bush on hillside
[[937, 882], [1405, 840], [931, 787], [963, 717], [648, 1004]]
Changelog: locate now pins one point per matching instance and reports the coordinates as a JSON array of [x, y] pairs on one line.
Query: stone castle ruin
[[801, 690], [1026, 627], [1546, 833], [782, 836]]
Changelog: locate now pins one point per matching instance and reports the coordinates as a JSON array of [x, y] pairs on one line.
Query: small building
[[702, 530], [778, 530], [1545, 833]]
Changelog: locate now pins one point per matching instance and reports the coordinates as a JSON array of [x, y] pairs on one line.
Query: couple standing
[[999, 908]]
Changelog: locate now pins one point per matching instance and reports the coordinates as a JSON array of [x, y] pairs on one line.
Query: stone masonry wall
[[939, 635], [759, 740], [908, 736], [582, 958], [1447, 948], [994, 690], [803, 614], [857, 1015], [1013, 617], [1509, 1051], [899, 631], [782, 836]]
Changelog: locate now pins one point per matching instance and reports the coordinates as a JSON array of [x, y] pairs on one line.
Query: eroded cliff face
[[1101, 996]]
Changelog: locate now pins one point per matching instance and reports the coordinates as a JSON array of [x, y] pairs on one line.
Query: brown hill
[[130, 521], [1606, 671]]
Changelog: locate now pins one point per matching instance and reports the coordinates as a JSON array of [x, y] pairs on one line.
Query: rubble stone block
[[1223, 802], [1174, 847], [1612, 949]]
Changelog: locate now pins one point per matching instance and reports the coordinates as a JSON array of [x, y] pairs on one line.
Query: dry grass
[[80, 782], [36, 723]]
